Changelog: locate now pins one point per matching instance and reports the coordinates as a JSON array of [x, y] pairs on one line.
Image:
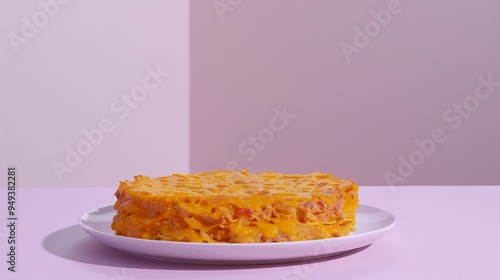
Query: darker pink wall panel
[[362, 93]]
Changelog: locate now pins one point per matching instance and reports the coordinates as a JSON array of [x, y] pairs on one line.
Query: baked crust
[[236, 207]]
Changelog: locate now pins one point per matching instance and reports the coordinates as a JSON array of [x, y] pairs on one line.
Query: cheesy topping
[[236, 206]]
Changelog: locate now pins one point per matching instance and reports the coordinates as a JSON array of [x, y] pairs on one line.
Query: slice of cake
[[236, 207]]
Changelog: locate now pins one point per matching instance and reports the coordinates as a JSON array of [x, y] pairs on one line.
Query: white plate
[[372, 223]]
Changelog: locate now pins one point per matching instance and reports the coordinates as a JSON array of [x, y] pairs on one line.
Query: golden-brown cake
[[236, 207]]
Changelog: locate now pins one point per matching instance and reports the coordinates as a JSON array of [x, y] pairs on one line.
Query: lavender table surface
[[443, 233]]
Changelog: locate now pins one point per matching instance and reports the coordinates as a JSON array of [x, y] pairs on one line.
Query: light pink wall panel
[[359, 107], [78, 66]]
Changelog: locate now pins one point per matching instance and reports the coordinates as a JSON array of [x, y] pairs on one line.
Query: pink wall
[[357, 112], [361, 82], [82, 65]]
